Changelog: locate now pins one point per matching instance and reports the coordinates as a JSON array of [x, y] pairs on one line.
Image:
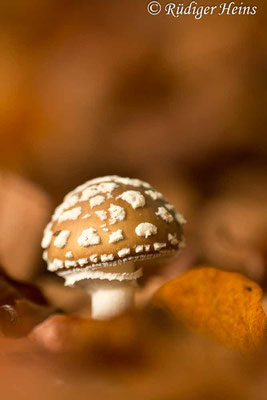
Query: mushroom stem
[[111, 298]]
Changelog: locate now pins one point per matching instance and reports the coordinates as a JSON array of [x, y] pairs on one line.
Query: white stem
[[111, 298]]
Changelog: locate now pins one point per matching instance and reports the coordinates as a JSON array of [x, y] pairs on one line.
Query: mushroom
[[100, 231]]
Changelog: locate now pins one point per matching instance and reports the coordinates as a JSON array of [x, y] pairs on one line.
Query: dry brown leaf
[[22, 306], [223, 305], [116, 340], [128, 339], [11, 290]]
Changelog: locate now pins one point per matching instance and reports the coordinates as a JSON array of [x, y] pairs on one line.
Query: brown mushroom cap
[[108, 221]]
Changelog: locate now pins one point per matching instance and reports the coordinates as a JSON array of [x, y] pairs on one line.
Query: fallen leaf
[[22, 306], [11, 290], [224, 305], [112, 340], [20, 318], [126, 339]]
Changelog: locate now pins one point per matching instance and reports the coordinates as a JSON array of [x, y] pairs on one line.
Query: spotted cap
[[108, 221]]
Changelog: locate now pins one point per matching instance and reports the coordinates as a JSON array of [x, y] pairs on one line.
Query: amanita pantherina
[[100, 231]]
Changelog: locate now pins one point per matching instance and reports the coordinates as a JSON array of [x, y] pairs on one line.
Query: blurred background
[[89, 88]]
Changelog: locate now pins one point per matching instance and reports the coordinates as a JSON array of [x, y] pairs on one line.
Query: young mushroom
[[100, 231]]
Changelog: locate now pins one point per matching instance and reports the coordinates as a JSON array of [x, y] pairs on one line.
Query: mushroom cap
[[108, 221]]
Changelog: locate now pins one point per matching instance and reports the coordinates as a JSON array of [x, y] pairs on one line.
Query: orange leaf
[[223, 305]]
